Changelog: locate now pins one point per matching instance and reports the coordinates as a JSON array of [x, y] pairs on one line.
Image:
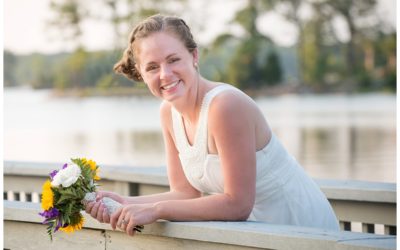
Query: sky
[[25, 30]]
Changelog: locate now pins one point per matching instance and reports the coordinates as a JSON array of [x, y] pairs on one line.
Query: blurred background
[[322, 71]]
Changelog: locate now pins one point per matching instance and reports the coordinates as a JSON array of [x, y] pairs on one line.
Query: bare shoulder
[[165, 114], [232, 102], [165, 108], [234, 113]]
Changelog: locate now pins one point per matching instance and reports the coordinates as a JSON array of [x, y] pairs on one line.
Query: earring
[[196, 65]]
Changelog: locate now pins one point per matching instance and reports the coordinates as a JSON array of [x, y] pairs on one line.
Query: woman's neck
[[190, 106]]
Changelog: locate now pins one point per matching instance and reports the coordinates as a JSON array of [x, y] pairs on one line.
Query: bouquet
[[67, 191], [64, 192]]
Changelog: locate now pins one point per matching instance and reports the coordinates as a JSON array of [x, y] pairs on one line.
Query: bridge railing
[[23, 230], [360, 206]]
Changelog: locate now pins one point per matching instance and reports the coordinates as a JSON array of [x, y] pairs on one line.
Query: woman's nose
[[165, 72]]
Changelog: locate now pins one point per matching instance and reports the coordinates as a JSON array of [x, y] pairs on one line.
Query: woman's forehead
[[159, 46]]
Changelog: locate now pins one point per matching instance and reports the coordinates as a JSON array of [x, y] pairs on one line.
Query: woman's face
[[166, 65]]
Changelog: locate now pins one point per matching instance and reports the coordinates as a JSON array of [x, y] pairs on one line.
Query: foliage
[[62, 203], [319, 60], [10, 62], [250, 67], [68, 17]]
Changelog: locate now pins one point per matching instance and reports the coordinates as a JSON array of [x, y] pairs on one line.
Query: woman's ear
[[195, 54]]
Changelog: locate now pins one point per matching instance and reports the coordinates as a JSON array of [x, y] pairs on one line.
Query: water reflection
[[348, 152], [338, 153], [333, 137], [147, 141], [331, 153]]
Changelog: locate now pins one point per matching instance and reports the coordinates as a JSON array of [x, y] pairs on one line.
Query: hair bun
[[126, 66]]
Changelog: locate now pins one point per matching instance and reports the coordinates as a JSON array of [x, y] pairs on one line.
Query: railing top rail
[[250, 234], [333, 189]]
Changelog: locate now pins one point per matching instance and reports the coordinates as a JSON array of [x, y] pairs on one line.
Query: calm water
[[332, 136]]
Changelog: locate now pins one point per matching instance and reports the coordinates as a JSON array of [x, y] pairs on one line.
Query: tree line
[[319, 61]]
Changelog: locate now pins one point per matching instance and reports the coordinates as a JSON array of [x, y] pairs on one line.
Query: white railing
[[360, 206], [23, 230]]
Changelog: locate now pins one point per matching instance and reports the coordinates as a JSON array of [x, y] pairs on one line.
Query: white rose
[[67, 176]]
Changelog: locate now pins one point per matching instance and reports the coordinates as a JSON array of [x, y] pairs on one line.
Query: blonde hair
[[127, 64]]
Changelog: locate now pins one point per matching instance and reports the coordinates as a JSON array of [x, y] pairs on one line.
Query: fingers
[[95, 209], [88, 207], [130, 228], [100, 195], [128, 225], [106, 216], [115, 218], [122, 222], [100, 212], [120, 218]]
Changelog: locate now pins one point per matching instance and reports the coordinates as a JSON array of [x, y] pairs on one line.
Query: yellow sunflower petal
[[73, 228], [67, 229], [92, 164], [47, 196]]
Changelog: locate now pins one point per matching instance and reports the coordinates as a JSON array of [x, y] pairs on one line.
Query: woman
[[217, 142]]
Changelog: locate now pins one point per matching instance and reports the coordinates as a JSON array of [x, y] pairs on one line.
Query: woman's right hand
[[118, 198], [98, 210]]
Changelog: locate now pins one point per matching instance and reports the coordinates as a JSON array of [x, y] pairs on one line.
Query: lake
[[332, 136]]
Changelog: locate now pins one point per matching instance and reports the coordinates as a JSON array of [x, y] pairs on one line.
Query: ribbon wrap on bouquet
[[110, 204]]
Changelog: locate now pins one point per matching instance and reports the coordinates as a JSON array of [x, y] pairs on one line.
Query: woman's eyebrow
[[167, 57], [170, 55]]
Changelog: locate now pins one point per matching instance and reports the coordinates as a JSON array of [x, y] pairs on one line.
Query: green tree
[[68, 18], [41, 72], [388, 48], [135, 11], [10, 63], [246, 68], [71, 72], [314, 57], [291, 11], [272, 69], [352, 12], [84, 69]]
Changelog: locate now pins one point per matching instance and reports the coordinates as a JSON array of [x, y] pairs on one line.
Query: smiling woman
[[217, 141]]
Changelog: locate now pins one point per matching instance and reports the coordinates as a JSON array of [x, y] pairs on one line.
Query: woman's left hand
[[129, 216]]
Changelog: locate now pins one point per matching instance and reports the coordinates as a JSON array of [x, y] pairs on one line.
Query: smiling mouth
[[170, 86]]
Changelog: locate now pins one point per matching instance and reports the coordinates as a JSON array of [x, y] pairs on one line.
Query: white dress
[[284, 192]]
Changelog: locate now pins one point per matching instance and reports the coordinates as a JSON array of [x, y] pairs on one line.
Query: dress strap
[[202, 136], [200, 145], [179, 133]]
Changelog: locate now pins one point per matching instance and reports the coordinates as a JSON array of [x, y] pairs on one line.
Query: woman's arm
[[233, 131], [180, 188], [231, 124]]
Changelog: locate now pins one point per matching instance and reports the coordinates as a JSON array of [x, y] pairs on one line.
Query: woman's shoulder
[[231, 99], [231, 106], [165, 107], [165, 112]]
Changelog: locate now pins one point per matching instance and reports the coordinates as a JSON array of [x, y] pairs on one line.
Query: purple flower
[[49, 214], [65, 166], [53, 173], [58, 225]]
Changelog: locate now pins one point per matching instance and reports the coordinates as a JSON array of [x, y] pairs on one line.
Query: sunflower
[[93, 166], [47, 195], [96, 176], [72, 228]]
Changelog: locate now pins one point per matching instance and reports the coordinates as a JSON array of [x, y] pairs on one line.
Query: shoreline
[[142, 91]]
